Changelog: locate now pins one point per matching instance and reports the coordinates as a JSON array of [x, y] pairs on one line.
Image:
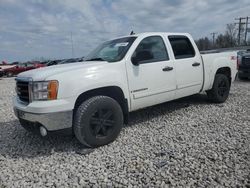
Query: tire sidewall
[[85, 111], [218, 79]]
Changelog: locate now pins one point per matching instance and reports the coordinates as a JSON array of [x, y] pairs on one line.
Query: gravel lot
[[188, 142]]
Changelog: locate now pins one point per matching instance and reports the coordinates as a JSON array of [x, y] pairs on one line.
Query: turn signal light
[[52, 90]]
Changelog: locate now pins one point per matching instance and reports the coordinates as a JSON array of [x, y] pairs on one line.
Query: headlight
[[46, 90]]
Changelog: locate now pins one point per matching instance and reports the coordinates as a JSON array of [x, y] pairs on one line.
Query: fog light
[[43, 131]]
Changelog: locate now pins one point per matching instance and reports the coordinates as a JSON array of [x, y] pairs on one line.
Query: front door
[[151, 74]]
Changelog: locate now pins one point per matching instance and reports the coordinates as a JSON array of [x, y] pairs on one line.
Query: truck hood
[[40, 74]]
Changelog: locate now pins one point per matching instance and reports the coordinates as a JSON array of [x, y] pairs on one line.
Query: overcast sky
[[42, 28]]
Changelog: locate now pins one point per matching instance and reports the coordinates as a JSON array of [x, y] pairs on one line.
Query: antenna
[[132, 32], [72, 45]]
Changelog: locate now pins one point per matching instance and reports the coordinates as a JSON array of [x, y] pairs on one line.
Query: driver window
[[151, 49]]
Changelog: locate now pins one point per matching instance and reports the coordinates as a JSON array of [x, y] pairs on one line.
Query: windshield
[[111, 51]]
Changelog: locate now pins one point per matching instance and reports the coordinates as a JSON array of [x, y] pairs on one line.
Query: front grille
[[22, 89], [246, 60]]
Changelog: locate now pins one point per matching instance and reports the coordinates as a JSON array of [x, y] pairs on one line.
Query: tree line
[[227, 39]]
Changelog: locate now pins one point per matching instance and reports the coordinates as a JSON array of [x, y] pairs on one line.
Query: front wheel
[[220, 90], [98, 121]]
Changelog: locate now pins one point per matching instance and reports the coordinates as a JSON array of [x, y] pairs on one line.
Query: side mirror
[[142, 56], [135, 61]]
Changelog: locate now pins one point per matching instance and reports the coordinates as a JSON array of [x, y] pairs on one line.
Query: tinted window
[[182, 47], [155, 47]]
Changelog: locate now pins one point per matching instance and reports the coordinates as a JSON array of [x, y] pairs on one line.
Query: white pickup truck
[[93, 98]]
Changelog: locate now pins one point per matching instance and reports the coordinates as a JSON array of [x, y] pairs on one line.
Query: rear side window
[[182, 47]]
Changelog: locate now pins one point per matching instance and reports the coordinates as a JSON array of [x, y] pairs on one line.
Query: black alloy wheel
[[222, 88], [102, 122]]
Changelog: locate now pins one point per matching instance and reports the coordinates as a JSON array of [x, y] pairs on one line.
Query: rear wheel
[[220, 90], [98, 121]]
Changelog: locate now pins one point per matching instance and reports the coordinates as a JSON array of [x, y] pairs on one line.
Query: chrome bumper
[[51, 121]]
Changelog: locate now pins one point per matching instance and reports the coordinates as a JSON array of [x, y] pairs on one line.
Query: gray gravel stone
[[202, 144]]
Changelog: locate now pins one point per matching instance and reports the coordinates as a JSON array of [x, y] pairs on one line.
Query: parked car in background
[[1, 72], [21, 68], [45, 62], [53, 62], [65, 61], [244, 64], [6, 66], [72, 60], [15, 63]]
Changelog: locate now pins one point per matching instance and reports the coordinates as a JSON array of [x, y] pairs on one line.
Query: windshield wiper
[[95, 59]]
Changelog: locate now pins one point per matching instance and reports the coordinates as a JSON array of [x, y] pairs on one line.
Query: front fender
[[73, 83]]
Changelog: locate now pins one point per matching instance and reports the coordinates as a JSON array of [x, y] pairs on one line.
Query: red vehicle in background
[[21, 68]]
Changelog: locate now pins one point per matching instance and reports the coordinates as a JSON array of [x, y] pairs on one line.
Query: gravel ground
[[188, 142]]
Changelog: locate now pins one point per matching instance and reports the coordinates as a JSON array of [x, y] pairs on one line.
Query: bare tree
[[231, 31], [224, 41], [204, 44]]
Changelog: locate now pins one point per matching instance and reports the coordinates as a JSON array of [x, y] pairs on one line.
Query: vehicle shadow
[[15, 142]]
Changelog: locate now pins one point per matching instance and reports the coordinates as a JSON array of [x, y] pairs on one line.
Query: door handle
[[196, 64], [167, 68]]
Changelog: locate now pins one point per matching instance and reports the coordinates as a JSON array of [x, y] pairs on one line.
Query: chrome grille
[[22, 90]]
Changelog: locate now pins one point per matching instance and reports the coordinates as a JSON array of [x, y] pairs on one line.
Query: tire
[[220, 90], [29, 126], [98, 121]]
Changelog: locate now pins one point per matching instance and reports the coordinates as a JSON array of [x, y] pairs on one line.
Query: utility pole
[[239, 30], [213, 35], [72, 45], [240, 25], [246, 29]]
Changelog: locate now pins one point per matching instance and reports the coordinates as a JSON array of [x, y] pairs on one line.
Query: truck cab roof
[[144, 34]]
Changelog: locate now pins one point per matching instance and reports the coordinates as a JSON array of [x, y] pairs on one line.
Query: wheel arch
[[114, 92]]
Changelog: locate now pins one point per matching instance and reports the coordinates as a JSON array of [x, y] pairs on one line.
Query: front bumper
[[51, 121], [53, 115]]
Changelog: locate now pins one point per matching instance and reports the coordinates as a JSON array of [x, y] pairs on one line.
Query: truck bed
[[215, 59]]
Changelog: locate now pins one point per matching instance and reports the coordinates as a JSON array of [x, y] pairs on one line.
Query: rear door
[[20, 68], [188, 65]]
